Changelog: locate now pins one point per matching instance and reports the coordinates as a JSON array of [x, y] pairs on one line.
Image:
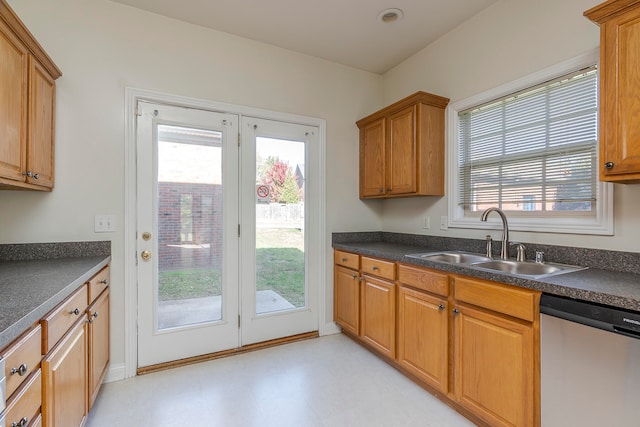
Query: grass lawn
[[279, 265]]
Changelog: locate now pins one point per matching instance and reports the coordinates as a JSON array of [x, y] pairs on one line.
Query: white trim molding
[[600, 224]]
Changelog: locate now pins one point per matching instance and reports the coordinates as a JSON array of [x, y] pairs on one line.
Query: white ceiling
[[343, 31]]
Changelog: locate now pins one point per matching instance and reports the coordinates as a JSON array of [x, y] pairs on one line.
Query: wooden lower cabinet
[[98, 349], [378, 314], [473, 343], [64, 378], [423, 336], [494, 367], [346, 310]]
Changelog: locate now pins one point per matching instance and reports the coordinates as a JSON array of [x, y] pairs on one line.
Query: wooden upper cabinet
[[40, 157], [402, 148], [619, 127], [27, 78], [372, 159]]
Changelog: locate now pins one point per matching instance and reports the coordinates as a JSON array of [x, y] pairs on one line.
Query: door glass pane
[[280, 179], [189, 226]]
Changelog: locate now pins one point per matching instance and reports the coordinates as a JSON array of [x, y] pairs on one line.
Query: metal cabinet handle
[[22, 423], [441, 307], [355, 276], [362, 279], [92, 317], [103, 282], [456, 311], [608, 165], [31, 174], [20, 370], [76, 311], [344, 260], [375, 268]]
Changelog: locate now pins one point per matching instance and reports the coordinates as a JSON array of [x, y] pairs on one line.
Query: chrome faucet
[[504, 250]]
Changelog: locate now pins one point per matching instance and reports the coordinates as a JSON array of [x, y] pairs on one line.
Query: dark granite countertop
[[29, 288], [604, 286]]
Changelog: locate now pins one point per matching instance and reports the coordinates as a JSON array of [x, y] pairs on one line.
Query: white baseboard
[[332, 328], [115, 373]]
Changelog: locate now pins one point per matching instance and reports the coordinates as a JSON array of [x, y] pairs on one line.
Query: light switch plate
[[105, 223]]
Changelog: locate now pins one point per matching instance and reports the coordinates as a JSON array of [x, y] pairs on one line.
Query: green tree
[[289, 192]]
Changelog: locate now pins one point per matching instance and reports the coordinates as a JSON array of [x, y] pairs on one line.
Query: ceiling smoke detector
[[389, 16]]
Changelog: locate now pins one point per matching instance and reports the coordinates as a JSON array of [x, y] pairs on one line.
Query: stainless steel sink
[[452, 257], [531, 270], [527, 269]]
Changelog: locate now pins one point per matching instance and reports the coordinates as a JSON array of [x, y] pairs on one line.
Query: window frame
[[600, 224]]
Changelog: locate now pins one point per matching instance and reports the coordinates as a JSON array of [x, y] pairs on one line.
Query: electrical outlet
[[426, 222], [443, 223], [104, 223]]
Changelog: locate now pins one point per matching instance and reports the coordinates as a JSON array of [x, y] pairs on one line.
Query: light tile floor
[[328, 381]]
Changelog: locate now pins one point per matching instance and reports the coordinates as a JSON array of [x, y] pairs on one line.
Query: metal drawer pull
[[93, 316], [375, 268], [456, 311], [355, 276], [344, 260], [76, 311], [608, 165], [22, 423], [103, 282], [441, 307], [20, 370]]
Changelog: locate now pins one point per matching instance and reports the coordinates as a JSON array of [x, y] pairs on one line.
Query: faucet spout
[[504, 250]]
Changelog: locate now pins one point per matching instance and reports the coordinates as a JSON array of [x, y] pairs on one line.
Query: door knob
[[145, 255]]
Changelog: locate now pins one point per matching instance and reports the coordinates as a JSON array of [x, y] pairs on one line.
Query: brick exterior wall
[[202, 247]]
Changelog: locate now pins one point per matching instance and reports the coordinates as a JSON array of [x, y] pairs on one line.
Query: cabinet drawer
[[377, 267], [347, 259], [427, 280], [58, 322], [22, 358], [98, 283], [26, 403], [516, 302]]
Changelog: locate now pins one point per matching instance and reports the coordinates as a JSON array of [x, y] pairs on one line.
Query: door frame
[[132, 96]]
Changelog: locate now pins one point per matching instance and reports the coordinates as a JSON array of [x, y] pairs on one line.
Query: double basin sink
[[531, 270]]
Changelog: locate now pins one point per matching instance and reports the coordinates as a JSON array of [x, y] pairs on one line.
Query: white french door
[[227, 232], [187, 245], [280, 215]]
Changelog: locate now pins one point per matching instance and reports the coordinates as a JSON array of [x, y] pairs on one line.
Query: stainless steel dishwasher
[[590, 364]]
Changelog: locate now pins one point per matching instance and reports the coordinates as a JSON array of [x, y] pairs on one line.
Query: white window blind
[[534, 150]]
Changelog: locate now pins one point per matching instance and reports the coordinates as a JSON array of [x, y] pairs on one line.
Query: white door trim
[[132, 96]]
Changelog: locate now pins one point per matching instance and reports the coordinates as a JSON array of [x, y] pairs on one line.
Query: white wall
[[509, 40], [103, 47]]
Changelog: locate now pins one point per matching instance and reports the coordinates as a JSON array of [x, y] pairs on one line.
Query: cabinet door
[[347, 299], [98, 344], [378, 315], [619, 105], [423, 336], [40, 157], [64, 376], [401, 154], [13, 105], [372, 159], [494, 367]]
